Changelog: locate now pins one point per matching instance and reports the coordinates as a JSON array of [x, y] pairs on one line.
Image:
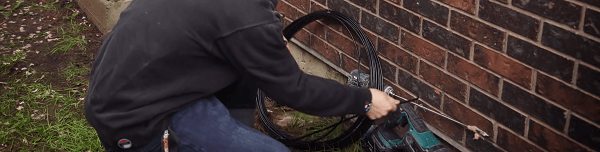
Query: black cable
[[347, 137]]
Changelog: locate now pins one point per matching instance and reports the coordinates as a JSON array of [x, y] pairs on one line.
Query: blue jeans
[[207, 126]]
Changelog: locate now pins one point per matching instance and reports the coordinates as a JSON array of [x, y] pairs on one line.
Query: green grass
[[9, 11], [70, 38], [35, 116], [9, 61]]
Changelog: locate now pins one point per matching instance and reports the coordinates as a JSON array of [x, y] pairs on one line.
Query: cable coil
[[361, 123]]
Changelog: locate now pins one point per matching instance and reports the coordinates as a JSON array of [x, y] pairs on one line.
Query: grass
[[35, 115], [70, 38]]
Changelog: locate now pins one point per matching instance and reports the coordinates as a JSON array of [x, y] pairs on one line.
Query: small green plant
[[71, 37], [9, 61], [73, 71]]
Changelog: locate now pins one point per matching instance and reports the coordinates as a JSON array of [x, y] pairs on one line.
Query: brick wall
[[525, 71]]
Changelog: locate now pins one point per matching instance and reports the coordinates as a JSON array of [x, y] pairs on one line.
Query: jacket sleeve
[[259, 53]]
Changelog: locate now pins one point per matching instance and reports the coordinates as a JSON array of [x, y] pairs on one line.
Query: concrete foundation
[[104, 13]]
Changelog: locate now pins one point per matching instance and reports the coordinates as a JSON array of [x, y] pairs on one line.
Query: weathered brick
[[317, 29], [466, 115], [303, 5], [557, 10], [479, 31], [512, 142], [588, 79], [322, 2], [571, 44], [497, 111], [446, 39], [591, 24], [399, 16], [448, 127], [539, 58], [388, 70], [398, 56], [344, 8], [314, 6], [465, 5], [429, 9], [534, 106], [473, 74], [502, 65], [572, 99], [480, 145], [287, 11], [422, 90], [349, 64], [325, 49], [380, 27], [423, 48], [370, 5], [584, 133], [509, 19], [592, 2], [443, 81], [550, 140]]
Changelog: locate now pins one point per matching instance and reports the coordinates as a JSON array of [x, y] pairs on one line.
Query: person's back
[[164, 57]]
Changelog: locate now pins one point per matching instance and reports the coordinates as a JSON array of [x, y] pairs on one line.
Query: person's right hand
[[381, 104]]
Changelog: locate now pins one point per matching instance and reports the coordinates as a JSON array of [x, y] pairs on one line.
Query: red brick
[[397, 90], [477, 30], [466, 115], [345, 8], [497, 111], [588, 79], [419, 88], [512, 142], [465, 5], [473, 74], [428, 9], [446, 39], [557, 10], [564, 95], [443, 81], [399, 16], [502, 65], [367, 4], [534, 106], [379, 26], [303, 5], [349, 64], [317, 29], [398, 56], [344, 44], [287, 10], [388, 70], [322, 2], [448, 127], [509, 19], [314, 6], [303, 36], [550, 140], [325, 49], [584, 132], [567, 42], [423, 48]]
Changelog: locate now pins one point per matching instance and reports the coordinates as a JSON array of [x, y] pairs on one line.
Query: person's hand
[[381, 104]]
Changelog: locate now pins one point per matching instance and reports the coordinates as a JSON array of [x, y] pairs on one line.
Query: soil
[[35, 31]]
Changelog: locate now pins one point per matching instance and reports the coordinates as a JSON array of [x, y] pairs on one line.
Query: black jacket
[[162, 55]]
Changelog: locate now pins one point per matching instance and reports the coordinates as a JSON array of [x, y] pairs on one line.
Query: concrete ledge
[[104, 13]]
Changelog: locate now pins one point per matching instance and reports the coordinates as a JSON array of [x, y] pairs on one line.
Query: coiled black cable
[[361, 123]]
